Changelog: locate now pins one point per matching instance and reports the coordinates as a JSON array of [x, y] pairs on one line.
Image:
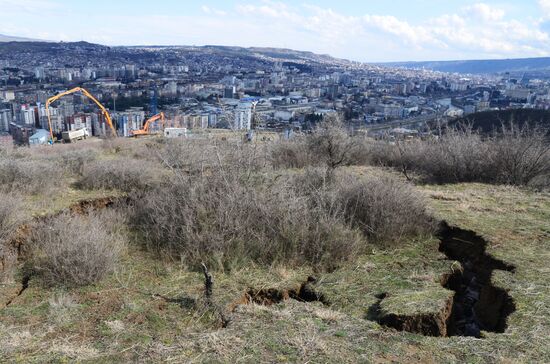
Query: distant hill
[[9, 38], [26, 54], [266, 54], [488, 121], [480, 66]]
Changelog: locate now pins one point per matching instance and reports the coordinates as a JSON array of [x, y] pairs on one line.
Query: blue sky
[[368, 30]]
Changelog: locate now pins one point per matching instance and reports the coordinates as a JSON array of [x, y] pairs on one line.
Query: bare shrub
[[385, 209], [331, 144], [510, 156], [292, 154], [121, 174], [228, 219], [199, 156], [521, 156], [30, 176], [76, 250], [74, 161], [11, 217]]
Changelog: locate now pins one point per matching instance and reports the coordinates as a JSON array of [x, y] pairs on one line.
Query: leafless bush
[[74, 161], [511, 156], [292, 154], [200, 156], [11, 217], [228, 219], [521, 156], [331, 144], [76, 250], [11, 213], [121, 174], [385, 209], [30, 176]]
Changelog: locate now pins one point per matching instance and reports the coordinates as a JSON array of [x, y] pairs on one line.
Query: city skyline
[[367, 32]]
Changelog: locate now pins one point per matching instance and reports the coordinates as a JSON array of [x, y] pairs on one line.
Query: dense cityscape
[[200, 88]]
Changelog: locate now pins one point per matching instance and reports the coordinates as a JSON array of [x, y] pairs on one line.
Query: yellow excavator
[[88, 95], [145, 131]]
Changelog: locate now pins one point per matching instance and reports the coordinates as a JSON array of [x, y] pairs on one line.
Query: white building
[[243, 116], [5, 119]]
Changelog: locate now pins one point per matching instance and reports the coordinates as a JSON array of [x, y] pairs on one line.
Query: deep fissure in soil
[[477, 304]]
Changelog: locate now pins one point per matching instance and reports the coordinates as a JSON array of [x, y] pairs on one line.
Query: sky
[[362, 30]]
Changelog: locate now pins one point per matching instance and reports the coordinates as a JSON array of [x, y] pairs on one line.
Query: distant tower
[[154, 101]]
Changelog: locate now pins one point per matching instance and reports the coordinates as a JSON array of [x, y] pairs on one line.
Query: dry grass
[[265, 228], [11, 216]]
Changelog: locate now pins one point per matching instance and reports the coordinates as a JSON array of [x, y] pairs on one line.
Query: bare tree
[[331, 143]]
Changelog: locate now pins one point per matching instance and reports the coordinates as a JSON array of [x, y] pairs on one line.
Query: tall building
[[6, 118], [39, 73], [243, 116], [28, 115], [80, 121], [129, 120]]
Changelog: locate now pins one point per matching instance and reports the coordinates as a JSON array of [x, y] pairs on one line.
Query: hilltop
[[209, 249]]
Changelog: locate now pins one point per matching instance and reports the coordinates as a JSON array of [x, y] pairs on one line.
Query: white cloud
[[212, 11], [545, 7], [475, 31], [485, 12], [28, 6]]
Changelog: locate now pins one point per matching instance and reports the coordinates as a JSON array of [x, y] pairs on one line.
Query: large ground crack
[[477, 305]]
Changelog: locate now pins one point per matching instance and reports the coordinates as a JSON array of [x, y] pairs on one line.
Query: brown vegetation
[[75, 250], [509, 156]]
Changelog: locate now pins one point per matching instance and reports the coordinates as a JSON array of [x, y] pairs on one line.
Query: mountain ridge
[[479, 66]]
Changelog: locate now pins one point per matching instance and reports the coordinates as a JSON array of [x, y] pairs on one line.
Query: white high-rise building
[[5, 119], [243, 116]]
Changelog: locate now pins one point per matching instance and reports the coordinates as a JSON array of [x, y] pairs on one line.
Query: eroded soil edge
[[14, 251], [477, 305]]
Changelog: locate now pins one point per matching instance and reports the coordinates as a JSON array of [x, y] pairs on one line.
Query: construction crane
[[145, 130], [88, 95]]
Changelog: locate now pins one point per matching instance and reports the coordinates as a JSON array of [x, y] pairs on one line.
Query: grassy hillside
[[387, 297]]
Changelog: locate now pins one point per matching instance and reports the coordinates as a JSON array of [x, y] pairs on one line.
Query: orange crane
[[145, 130], [88, 95]]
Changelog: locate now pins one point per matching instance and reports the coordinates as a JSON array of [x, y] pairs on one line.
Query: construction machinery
[[147, 125], [88, 95], [74, 135]]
